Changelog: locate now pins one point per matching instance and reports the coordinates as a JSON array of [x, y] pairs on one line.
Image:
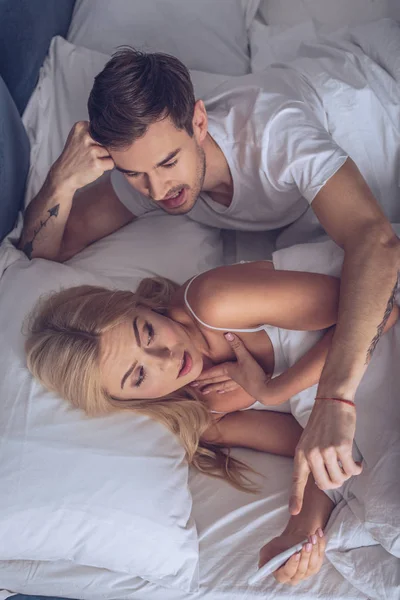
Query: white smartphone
[[275, 563]]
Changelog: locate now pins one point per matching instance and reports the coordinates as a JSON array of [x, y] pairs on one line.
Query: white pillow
[[271, 44], [156, 244], [330, 15], [207, 35], [283, 12], [60, 100], [280, 40], [109, 492]]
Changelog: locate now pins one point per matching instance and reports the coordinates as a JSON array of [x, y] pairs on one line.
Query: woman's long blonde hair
[[63, 353]]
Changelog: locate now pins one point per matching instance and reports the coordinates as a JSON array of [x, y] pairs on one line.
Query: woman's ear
[[200, 121]]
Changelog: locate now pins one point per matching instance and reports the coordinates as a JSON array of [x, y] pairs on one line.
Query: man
[[255, 159]]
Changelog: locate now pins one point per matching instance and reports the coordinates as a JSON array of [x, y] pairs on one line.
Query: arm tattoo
[[381, 327], [28, 247]]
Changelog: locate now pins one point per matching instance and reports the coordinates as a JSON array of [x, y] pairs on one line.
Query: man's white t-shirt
[[287, 130]]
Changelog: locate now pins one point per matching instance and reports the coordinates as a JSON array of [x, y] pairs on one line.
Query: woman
[[105, 350]]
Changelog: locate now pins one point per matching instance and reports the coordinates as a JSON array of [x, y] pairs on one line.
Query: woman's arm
[[310, 524], [266, 431], [314, 513], [302, 375], [247, 295], [278, 433], [307, 371]]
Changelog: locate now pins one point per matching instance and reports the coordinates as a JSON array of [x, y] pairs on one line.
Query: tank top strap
[[251, 330]]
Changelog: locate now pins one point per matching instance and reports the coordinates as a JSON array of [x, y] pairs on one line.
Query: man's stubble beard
[[201, 170], [196, 188], [200, 176]]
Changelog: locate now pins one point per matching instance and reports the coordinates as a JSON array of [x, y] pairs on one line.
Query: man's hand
[[245, 372], [325, 449], [301, 565], [82, 161]]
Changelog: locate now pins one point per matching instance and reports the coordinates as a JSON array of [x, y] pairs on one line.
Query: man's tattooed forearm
[[381, 327], [28, 247]]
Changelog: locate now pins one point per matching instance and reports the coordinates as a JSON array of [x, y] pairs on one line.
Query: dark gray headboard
[[26, 28]]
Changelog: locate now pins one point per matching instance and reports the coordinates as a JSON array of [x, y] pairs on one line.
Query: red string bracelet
[[350, 402]]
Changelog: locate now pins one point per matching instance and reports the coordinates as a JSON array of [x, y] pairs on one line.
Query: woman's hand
[[245, 372], [301, 565], [215, 379]]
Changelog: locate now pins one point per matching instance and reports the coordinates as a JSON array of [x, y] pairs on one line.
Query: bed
[[46, 449]]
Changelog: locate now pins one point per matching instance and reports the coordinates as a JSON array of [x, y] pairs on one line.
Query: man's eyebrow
[[126, 170], [132, 368], [170, 156]]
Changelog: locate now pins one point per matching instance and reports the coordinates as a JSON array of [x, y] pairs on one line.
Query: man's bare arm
[[353, 218], [45, 219], [96, 212], [63, 218]]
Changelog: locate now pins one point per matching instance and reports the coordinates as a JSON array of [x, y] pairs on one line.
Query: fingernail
[[194, 384], [230, 337], [206, 392], [308, 547], [221, 391], [320, 532], [314, 539], [297, 555]]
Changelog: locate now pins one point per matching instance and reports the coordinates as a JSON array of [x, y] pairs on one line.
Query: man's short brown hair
[[133, 91]]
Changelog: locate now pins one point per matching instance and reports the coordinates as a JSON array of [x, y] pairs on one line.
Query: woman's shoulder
[[224, 278], [196, 296], [213, 295]]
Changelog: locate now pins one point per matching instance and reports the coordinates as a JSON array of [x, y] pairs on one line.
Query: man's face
[[166, 165]]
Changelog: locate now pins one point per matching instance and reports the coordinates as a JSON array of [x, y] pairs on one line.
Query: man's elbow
[[74, 240], [378, 239], [31, 252], [66, 252], [387, 246]]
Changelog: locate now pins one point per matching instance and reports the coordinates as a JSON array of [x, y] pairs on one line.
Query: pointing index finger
[[301, 472]]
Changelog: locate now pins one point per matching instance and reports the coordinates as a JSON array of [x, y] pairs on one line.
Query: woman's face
[[148, 356]]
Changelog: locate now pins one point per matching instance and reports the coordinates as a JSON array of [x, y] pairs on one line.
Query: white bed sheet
[[232, 527]]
